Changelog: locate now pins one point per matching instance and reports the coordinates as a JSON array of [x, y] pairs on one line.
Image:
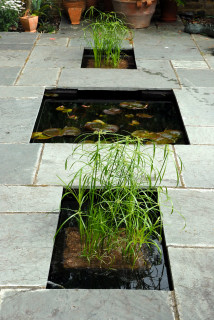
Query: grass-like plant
[[105, 35], [118, 182]]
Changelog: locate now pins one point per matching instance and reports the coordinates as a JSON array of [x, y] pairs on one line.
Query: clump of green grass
[[118, 181], [105, 35]]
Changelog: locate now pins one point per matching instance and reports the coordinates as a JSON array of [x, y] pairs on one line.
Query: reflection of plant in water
[[123, 216]]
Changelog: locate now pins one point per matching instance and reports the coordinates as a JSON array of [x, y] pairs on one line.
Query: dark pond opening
[[155, 276], [152, 115], [127, 60]]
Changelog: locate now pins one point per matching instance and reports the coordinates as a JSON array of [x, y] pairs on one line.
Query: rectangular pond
[[152, 115]]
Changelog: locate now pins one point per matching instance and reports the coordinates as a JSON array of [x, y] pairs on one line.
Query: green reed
[[119, 182], [105, 35]]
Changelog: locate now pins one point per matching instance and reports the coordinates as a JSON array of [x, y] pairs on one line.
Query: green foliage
[[9, 14], [124, 215], [105, 34]]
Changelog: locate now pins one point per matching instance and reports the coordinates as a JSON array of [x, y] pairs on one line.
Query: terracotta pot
[[168, 10], [74, 9], [90, 3], [138, 13], [29, 23], [108, 6]]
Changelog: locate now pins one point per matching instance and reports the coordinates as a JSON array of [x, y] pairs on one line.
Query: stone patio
[[30, 192]]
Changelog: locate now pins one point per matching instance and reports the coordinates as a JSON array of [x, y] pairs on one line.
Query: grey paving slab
[[26, 248], [196, 78], [198, 165], [196, 106], [206, 44], [158, 69], [86, 305], [192, 272], [30, 199], [39, 77], [13, 58], [9, 92], [17, 119], [17, 38], [52, 166], [18, 163], [52, 40], [116, 79], [193, 208], [177, 64], [15, 46], [200, 135], [54, 56], [162, 45], [8, 75]]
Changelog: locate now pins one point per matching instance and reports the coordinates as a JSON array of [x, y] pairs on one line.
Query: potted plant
[[74, 9], [115, 214], [105, 35], [169, 9], [9, 14], [138, 13], [30, 19]]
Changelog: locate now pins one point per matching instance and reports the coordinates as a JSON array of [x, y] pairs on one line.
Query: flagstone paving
[[30, 191]]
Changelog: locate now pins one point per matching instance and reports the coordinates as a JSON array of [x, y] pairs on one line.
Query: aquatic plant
[[105, 35], [118, 181]]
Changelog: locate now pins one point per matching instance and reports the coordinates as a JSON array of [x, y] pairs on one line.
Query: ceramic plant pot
[[74, 9], [168, 10], [138, 13], [29, 23]]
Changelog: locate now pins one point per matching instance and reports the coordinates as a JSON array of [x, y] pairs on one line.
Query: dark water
[[153, 278], [130, 113]]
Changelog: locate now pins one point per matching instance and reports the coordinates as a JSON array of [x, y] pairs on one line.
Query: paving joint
[[26, 60], [174, 306], [201, 52], [40, 159]]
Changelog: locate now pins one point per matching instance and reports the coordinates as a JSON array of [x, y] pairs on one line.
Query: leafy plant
[[10, 11], [121, 214], [105, 34]]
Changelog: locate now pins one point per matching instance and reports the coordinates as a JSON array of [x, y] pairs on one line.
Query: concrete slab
[[30, 199], [8, 75], [113, 79], [189, 64], [196, 106], [27, 243], [196, 78], [54, 56], [52, 166], [39, 77], [191, 206], [198, 165], [18, 163], [192, 272], [13, 58], [9, 92], [15, 46], [17, 119], [52, 40], [206, 44], [17, 38], [158, 68], [201, 135], [86, 305]]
